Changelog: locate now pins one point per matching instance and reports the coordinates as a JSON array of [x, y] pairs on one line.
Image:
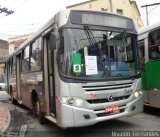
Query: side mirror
[[53, 39]]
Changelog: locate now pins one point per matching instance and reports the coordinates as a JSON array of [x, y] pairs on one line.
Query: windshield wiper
[[90, 36]]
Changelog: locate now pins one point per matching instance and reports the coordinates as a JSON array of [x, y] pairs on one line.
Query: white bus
[[79, 69]]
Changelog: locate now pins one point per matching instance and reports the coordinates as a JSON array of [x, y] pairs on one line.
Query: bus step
[[50, 118]]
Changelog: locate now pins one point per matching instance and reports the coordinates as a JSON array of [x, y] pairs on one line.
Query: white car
[[4, 95], [2, 86]]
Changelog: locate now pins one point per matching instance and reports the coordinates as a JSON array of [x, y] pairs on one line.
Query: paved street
[[3, 116], [24, 125]]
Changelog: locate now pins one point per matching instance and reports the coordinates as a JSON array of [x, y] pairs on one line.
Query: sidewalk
[[5, 118]]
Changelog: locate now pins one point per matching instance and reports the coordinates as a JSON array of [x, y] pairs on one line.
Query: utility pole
[[147, 19], [90, 4], [111, 6], [5, 10]]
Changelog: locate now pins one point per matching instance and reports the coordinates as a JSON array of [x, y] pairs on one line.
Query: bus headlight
[[73, 101], [137, 93]]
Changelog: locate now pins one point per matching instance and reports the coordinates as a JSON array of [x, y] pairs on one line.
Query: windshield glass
[[96, 54]]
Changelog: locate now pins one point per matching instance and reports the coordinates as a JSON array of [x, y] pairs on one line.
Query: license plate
[[111, 108]]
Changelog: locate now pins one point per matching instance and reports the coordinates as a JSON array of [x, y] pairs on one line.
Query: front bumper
[[86, 117]]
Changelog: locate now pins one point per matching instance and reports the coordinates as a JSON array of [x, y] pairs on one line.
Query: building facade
[[3, 55], [15, 42], [127, 8]]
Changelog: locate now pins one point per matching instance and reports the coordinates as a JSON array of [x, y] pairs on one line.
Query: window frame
[[13, 65], [119, 11]]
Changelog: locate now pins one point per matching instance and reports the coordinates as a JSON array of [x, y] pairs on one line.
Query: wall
[[3, 54], [15, 42]]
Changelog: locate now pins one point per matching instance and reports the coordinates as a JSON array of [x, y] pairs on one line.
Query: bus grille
[[107, 87], [95, 101]]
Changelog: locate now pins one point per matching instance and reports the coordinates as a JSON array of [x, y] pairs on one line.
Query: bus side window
[[152, 39], [158, 37], [25, 60], [154, 48], [141, 54], [14, 65], [36, 56], [155, 53], [10, 66]]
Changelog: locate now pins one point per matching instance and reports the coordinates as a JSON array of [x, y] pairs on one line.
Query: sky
[[30, 15]]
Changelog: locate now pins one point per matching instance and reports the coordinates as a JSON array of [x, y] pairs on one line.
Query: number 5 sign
[[77, 68]]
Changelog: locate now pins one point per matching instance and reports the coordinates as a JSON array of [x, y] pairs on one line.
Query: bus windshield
[[96, 54]]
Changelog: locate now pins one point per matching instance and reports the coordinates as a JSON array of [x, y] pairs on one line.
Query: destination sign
[[101, 19]]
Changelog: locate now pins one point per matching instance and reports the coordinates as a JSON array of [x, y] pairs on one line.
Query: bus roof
[[53, 21], [149, 28]]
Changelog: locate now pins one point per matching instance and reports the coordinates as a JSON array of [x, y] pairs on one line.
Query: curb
[[5, 128]]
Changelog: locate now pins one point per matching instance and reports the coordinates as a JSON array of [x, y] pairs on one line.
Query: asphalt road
[[143, 124]]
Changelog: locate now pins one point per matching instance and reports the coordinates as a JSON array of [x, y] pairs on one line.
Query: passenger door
[[49, 76], [18, 58]]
